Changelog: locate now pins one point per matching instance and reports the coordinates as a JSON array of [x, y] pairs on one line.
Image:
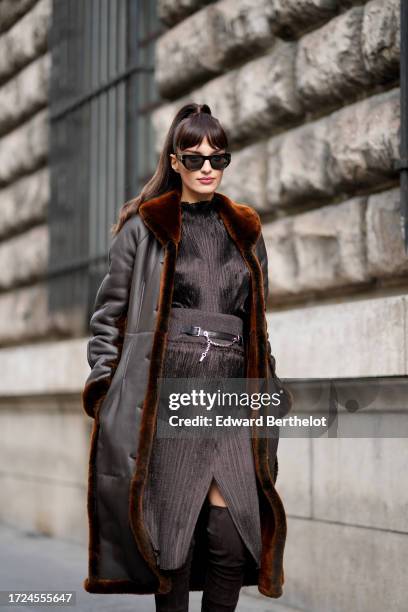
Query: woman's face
[[194, 187]]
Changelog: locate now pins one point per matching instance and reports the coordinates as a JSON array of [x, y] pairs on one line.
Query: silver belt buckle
[[195, 330]]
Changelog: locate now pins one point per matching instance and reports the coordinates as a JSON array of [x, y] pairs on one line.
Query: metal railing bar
[[84, 99]]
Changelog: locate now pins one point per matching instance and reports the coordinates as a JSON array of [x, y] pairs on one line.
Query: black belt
[[196, 330]]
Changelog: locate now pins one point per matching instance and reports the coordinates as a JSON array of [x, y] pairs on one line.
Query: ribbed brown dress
[[211, 277]]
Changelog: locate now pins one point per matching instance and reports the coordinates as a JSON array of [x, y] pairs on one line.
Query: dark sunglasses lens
[[193, 162], [219, 162]]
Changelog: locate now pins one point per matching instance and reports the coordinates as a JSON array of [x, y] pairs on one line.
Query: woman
[[184, 298]]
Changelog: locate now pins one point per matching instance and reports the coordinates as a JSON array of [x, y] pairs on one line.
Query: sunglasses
[[196, 161]]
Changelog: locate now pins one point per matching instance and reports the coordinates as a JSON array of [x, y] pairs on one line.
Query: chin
[[206, 189]]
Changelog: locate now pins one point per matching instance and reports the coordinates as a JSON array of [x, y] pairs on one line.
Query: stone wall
[[24, 177], [44, 435]]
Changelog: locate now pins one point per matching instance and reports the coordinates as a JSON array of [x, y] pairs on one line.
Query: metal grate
[[102, 94]]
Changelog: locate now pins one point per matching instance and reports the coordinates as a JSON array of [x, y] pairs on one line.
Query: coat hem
[[271, 593], [107, 586]]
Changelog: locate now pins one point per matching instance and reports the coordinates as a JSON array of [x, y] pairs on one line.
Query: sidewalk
[[34, 562]]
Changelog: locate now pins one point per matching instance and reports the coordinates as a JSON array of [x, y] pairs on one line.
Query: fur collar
[[162, 215]]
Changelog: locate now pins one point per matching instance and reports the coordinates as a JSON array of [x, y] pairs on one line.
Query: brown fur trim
[[106, 586], [275, 470], [93, 545], [94, 393], [162, 215], [148, 423], [241, 221], [273, 534]]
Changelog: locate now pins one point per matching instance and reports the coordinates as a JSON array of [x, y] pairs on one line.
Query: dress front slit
[[181, 469]]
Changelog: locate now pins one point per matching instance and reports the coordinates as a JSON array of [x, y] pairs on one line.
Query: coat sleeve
[[287, 402], [107, 321]]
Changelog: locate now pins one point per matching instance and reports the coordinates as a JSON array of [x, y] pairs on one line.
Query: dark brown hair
[[189, 127]]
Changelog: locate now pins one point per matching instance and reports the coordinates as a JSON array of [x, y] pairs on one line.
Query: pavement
[[31, 561]]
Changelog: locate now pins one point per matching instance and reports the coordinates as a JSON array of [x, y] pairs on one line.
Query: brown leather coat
[[125, 352]]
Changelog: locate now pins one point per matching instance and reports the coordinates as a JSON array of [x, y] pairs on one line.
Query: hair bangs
[[195, 128]]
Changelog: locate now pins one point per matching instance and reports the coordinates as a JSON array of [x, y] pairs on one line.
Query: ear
[[174, 162]]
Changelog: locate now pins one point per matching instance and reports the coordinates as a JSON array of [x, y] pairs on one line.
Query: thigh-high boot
[[177, 599], [226, 560]]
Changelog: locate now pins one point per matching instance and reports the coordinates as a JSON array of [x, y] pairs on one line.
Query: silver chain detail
[[209, 342]]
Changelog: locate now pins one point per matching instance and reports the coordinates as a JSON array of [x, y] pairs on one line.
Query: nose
[[206, 166]]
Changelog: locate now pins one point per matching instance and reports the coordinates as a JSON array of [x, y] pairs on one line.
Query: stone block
[[25, 94], [12, 10], [24, 257], [297, 165], [171, 12], [26, 371], [341, 567], [265, 93], [57, 445], [24, 202], [381, 39], [244, 179], [329, 62], [317, 250], [224, 34], [351, 149], [27, 308], [24, 149], [359, 337], [364, 142], [374, 499], [40, 506], [290, 18], [26, 39], [385, 241]]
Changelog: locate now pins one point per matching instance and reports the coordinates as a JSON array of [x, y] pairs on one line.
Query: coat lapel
[[163, 216]]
